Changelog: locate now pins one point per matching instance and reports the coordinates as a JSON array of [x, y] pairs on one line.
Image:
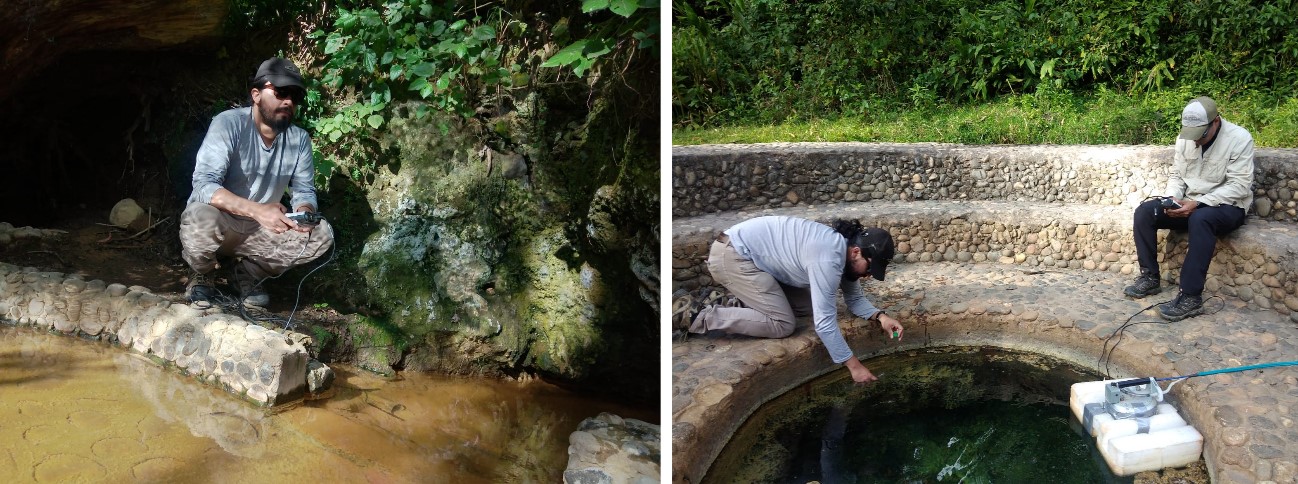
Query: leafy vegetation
[[454, 58], [1043, 117], [758, 62]]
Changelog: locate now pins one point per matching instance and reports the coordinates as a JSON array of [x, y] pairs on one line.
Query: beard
[[850, 275], [278, 119]]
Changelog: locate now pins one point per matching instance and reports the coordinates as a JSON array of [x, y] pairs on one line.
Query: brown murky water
[[80, 411]]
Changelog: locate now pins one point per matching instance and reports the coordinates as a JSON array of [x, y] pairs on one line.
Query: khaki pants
[[206, 232], [772, 306]]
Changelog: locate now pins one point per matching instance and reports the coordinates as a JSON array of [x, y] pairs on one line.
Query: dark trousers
[[1205, 224]]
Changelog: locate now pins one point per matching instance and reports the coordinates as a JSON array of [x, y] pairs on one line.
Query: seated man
[[782, 266], [1211, 185], [249, 157]]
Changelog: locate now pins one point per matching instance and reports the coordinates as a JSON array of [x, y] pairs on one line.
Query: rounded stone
[[1284, 471], [1267, 339], [74, 286], [712, 394], [1236, 456], [68, 468], [1234, 437], [158, 469]]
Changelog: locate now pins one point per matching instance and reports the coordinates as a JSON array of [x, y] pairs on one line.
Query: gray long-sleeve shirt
[[803, 253], [1221, 174], [233, 156]]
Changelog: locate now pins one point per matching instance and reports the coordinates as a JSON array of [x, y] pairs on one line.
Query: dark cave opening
[[94, 128]]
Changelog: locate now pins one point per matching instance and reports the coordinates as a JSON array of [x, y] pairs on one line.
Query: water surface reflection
[[74, 410]]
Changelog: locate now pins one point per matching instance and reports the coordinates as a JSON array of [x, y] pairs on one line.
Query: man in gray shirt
[[250, 157], [782, 266]]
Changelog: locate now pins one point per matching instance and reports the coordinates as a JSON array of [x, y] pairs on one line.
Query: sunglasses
[[296, 94]]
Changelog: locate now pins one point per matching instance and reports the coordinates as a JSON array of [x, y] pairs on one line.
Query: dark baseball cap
[[280, 72], [876, 245]]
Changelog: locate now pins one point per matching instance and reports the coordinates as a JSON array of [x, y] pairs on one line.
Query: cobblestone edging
[[719, 178], [263, 366]]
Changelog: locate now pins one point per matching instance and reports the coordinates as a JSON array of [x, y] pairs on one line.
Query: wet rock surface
[[611, 449]]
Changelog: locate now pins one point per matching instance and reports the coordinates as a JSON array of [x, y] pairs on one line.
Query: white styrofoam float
[[1136, 444]]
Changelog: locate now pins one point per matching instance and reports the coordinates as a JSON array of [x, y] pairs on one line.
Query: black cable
[[235, 305], [1106, 353]]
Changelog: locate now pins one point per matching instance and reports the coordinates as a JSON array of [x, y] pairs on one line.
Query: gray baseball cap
[[1196, 117]]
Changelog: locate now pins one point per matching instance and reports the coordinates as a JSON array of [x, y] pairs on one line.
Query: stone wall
[[719, 178], [266, 367], [991, 218]]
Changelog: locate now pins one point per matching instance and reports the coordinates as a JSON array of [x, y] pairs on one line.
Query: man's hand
[[891, 326], [860, 373], [1187, 206], [271, 217], [304, 228]]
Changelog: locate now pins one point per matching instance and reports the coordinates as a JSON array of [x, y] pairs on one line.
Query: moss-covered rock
[[482, 269]]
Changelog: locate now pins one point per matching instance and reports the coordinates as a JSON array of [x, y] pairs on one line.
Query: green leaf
[[425, 69], [375, 121], [588, 6], [334, 43], [334, 136], [567, 55], [624, 7], [419, 84], [484, 32]]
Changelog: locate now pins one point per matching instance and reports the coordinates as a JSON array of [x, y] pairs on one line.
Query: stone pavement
[[1247, 418]]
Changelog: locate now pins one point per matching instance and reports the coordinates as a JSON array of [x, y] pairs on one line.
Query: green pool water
[[966, 415]]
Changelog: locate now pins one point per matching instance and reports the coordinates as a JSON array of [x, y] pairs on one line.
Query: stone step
[[727, 178], [1255, 264], [718, 380], [266, 367]]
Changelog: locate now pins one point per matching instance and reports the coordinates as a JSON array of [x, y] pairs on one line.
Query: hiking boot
[[250, 290], [1184, 306], [1145, 285], [200, 289]]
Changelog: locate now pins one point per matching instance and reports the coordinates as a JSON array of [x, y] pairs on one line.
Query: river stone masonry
[[263, 366], [723, 178], [1020, 247]]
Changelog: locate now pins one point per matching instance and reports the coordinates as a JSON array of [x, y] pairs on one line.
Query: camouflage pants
[[206, 233]]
